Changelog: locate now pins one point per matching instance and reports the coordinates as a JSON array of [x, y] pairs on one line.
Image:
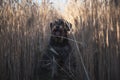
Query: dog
[[58, 49], [59, 31]]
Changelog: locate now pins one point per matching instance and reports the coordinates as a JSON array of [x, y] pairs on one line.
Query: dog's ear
[[68, 26], [51, 26]]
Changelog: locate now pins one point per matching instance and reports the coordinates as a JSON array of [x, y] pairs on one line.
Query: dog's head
[[60, 28]]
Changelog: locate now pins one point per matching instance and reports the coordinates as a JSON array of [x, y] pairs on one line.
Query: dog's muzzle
[[57, 33]]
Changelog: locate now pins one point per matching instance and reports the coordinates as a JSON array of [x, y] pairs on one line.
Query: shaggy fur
[[58, 47]]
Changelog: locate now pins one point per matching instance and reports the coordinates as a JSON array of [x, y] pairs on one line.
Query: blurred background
[[25, 33]]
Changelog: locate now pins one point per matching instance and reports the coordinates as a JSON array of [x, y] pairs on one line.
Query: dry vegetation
[[24, 33]]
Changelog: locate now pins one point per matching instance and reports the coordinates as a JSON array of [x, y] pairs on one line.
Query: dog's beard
[[59, 35], [59, 39]]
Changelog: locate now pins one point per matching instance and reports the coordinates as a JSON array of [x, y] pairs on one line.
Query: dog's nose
[[57, 33], [57, 27]]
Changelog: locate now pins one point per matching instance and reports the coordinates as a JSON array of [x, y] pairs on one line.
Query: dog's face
[[60, 28]]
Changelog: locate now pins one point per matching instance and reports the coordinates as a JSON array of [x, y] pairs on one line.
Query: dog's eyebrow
[[53, 27], [60, 26]]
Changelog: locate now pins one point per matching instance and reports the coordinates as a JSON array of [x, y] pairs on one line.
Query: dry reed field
[[95, 38]]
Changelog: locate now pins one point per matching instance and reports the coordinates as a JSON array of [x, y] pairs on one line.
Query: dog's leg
[[54, 68]]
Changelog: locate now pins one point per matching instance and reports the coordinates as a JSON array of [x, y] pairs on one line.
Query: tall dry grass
[[97, 27], [24, 34]]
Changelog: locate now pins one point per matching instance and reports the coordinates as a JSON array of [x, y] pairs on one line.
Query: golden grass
[[24, 34], [96, 25]]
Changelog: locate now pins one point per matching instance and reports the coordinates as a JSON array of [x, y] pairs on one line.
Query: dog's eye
[[55, 30]]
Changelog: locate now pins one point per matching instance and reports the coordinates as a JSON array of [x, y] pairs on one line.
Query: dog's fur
[[59, 45], [59, 31], [59, 41]]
